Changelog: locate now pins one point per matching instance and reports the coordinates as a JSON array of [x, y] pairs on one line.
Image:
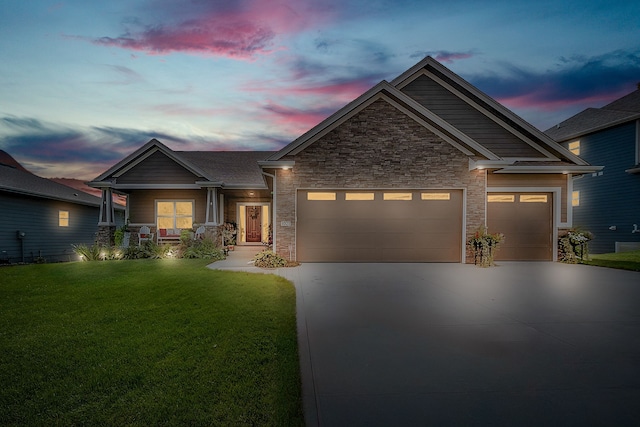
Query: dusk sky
[[85, 83]]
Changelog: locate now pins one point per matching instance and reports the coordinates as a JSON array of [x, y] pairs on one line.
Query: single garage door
[[525, 219], [379, 226]]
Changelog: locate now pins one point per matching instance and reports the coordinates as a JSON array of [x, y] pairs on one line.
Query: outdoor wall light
[[613, 228]]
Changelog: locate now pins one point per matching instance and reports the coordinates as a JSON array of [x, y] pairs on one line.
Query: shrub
[[96, 252], [269, 259], [205, 249], [87, 253]]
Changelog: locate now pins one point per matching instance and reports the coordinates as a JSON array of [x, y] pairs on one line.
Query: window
[[575, 198], [63, 218], [574, 147], [533, 198], [501, 198], [397, 196], [359, 196], [175, 214], [435, 196], [321, 196]]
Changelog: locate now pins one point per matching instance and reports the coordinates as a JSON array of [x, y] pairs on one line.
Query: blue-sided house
[[41, 218], [607, 202]]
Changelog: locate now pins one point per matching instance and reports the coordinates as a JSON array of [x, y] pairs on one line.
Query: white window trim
[[193, 209], [556, 215]]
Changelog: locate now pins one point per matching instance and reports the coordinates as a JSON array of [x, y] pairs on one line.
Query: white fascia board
[[208, 184], [567, 169], [276, 164], [245, 187]]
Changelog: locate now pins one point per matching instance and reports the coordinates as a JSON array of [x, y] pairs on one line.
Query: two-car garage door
[[379, 225]]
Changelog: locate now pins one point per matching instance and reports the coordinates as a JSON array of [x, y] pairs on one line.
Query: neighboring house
[[607, 203], [41, 219], [406, 172]]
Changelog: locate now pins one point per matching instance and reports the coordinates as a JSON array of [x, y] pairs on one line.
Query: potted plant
[[484, 246], [229, 232]]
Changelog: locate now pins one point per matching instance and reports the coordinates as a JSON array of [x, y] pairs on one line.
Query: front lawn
[[623, 260], [146, 342]]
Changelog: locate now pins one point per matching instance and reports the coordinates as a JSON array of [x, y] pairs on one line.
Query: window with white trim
[[63, 218], [174, 214], [574, 147], [575, 198]]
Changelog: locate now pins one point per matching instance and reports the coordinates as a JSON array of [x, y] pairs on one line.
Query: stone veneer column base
[[105, 235]]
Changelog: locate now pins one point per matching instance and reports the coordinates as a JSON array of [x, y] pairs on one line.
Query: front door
[[254, 224]]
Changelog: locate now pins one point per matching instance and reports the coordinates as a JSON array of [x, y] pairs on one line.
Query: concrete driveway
[[449, 344]]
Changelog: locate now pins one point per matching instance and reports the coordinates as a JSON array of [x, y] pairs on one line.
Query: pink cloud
[[541, 102], [235, 32], [345, 91], [295, 121]]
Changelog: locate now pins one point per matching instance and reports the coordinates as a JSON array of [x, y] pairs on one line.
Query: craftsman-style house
[[406, 172]]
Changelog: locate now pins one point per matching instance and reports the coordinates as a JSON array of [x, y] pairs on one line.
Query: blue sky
[[83, 83]]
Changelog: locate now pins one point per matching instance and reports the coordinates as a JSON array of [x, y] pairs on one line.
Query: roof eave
[[598, 128], [564, 169]]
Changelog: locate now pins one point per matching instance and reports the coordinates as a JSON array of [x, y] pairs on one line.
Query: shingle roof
[[593, 119], [18, 181], [234, 168]]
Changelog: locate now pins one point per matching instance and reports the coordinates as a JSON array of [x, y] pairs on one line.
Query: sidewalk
[[240, 259]]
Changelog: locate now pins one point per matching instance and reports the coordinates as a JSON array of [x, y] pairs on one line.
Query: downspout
[[273, 219]]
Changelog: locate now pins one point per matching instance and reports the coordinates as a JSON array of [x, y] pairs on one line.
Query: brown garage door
[[379, 226], [526, 222]]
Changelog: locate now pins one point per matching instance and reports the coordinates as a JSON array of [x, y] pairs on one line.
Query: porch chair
[[144, 235], [199, 233]]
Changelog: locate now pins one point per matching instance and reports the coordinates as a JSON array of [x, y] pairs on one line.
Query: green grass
[[622, 260], [146, 342]]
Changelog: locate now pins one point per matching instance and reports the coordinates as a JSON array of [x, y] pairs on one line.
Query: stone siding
[[380, 148]]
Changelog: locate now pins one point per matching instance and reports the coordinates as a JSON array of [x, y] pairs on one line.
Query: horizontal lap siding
[[467, 119], [613, 198], [142, 203], [38, 218], [157, 169]]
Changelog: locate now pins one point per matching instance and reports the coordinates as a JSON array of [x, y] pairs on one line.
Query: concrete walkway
[[449, 344], [241, 259]]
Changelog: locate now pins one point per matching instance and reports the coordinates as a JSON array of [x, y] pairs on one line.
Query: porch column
[[107, 214], [212, 206]]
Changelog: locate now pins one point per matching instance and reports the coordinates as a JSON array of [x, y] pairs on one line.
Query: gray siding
[[142, 203], [613, 198], [467, 119], [38, 218], [157, 169]]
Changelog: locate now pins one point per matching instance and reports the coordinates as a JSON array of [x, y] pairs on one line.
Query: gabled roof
[[20, 181], [142, 153], [232, 169], [591, 120], [549, 149]]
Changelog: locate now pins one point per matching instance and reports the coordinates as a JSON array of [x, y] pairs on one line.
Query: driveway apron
[[451, 344]]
